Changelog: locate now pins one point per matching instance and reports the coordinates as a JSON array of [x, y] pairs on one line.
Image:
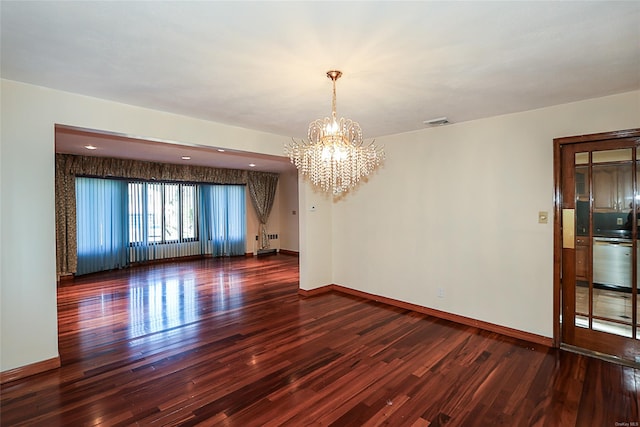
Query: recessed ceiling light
[[90, 147], [252, 165], [186, 157]]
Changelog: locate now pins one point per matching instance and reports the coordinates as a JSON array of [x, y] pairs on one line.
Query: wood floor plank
[[230, 342]]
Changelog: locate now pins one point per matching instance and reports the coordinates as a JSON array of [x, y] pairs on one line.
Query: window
[[188, 197], [161, 212], [122, 222]]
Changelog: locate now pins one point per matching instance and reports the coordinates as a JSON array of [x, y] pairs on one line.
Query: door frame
[[557, 215]]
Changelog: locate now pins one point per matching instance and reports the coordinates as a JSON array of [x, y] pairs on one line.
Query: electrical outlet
[[440, 293], [619, 221]]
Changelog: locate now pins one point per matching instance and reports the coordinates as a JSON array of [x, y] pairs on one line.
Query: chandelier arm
[[335, 157]]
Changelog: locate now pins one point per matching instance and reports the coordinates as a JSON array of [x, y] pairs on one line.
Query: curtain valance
[[105, 167]]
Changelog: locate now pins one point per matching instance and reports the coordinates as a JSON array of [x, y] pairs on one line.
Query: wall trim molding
[[28, 370], [288, 252], [317, 291], [491, 327]]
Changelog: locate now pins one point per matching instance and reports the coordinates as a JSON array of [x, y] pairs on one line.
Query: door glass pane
[[582, 321], [582, 239], [612, 199], [611, 300], [612, 328], [582, 275], [582, 299], [611, 155], [582, 252], [582, 158], [582, 200], [612, 304]]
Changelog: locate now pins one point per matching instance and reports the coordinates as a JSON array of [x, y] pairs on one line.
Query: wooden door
[[596, 241]]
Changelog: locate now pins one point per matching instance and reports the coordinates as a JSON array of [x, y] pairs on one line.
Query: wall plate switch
[[543, 217], [619, 221]]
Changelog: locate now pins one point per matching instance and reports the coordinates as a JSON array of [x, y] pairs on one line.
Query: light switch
[[543, 217]]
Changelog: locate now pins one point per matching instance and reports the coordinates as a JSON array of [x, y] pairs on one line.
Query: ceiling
[[71, 140], [262, 65]]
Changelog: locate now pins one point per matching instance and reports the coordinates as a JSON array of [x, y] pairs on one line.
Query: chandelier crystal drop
[[335, 157]]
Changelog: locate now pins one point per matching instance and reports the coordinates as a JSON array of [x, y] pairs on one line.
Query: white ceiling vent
[[437, 122]]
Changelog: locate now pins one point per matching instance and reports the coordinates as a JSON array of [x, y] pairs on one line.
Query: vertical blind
[[155, 220], [223, 223], [102, 227]]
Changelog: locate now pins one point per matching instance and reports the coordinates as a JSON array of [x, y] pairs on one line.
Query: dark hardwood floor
[[229, 342]]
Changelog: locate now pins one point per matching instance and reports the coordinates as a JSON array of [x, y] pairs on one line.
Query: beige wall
[[315, 212], [456, 208], [289, 235], [453, 208], [28, 314]]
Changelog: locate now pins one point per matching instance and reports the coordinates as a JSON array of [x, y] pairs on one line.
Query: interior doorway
[[597, 252]]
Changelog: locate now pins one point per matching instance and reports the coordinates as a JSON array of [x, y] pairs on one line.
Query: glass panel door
[[601, 254]]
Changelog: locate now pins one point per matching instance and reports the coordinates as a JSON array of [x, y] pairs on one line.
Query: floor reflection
[[229, 294], [147, 304], [162, 305]]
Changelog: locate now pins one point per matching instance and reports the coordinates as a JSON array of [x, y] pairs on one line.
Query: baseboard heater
[[265, 252]]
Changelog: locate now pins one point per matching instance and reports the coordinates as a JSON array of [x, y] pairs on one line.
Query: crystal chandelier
[[335, 157]]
